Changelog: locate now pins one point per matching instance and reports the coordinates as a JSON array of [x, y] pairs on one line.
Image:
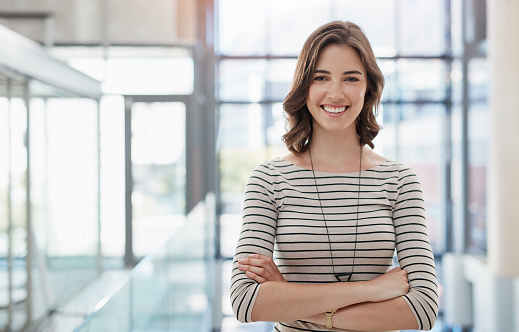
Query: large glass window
[[241, 26], [378, 20], [112, 180], [422, 27], [421, 80], [417, 140], [158, 172]]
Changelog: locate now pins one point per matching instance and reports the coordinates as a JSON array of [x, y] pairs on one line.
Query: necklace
[[347, 274]]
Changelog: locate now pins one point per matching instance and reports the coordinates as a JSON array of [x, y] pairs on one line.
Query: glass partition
[[49, 236], [4, 208], [49, 182], [13, 209], [64, 192], [169, 290]]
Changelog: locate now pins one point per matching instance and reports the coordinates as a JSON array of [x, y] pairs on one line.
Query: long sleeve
[[257, 237], [414, 250]]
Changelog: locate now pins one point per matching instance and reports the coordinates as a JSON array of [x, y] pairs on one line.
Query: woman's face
[[336, 94]]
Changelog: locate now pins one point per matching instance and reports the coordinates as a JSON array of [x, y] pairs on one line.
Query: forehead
[[340, 57]]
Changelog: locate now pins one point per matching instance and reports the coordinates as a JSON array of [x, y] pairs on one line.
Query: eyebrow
[[349, 72]]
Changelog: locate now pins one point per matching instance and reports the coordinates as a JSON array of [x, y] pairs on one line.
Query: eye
[[319, 78], [351, 79]]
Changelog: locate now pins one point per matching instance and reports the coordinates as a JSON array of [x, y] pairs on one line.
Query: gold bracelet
[[329, 316]]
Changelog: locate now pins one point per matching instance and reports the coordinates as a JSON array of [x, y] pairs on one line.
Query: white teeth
[[334, 109]]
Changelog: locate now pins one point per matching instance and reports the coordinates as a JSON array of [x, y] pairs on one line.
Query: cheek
[[315, 91], [311, 93], [361, 94]]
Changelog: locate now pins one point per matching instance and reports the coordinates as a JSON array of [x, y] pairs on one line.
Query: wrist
[[367, 290], [328, 319]]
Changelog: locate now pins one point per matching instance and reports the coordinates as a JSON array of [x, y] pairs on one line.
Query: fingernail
[[241, 260], [240, 266]]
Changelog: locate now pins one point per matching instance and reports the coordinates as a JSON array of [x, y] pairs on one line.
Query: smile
[[334, 109]]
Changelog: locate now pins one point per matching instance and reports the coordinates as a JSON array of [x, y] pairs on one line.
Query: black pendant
[[343, 276]]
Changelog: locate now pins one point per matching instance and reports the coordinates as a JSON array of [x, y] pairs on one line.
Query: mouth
[[334, 109]]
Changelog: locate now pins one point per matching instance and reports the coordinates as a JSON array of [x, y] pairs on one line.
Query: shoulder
[[268, 170], [399, 172], [391, 166], [272, 166], [406, 177], [296, 160], [370, 159], [279, 172]]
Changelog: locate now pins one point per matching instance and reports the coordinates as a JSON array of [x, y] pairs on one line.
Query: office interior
[[128, 130]]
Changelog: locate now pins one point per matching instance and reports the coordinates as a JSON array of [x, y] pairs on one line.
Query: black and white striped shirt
[[282, 212]]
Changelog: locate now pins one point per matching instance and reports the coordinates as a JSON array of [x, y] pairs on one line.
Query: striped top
[[282, 211]]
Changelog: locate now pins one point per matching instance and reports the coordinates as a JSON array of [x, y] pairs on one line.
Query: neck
[[335, 149]]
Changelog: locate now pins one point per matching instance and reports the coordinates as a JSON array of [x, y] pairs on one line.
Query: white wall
[[127, 21]]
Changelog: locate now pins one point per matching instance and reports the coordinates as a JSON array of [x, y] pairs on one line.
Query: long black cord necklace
[[346, 274]]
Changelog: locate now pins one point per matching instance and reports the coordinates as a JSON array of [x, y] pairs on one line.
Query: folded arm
[[278, 300], [393, 314]]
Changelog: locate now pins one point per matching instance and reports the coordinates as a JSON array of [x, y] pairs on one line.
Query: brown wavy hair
[[299, 119]]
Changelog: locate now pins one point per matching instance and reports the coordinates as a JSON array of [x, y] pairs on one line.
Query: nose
[[335, 92]]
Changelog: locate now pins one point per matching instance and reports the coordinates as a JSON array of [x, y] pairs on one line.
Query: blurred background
[[128, 129]]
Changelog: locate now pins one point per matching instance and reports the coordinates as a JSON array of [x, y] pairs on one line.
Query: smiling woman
[[335, 210], [336, 95]]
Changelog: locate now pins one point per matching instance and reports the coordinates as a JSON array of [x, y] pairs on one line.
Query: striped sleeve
[[414, 250], [256, 237]]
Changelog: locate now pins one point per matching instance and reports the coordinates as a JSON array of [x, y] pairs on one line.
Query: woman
[[334, 209]]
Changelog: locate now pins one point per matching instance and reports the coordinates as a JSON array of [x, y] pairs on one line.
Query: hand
[[260, 268], [391, 284]]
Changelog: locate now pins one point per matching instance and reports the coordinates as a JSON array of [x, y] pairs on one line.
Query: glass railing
[[169, 290]]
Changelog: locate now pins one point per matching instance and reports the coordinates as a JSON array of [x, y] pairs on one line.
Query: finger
[[262, 263], [255, 277], [257, 270], [254, 260], [267, 263], [267, 259]]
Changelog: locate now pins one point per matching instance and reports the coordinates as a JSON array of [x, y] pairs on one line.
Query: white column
[[503, 179]]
